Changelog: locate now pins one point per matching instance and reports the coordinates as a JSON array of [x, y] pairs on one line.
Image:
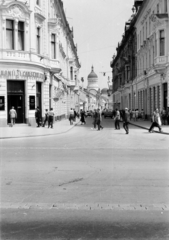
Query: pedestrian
[[71, 116], [142, 114], [13, 116], [126, 120], [99, 120], [163, 116], [46, 118], [50, 118], [38, 116], [82, 117], [94, 118], [156, 121], [136, 114], [75, 115], [117, 119]]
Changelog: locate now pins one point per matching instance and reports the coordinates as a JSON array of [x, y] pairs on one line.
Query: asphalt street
[[86, 184]]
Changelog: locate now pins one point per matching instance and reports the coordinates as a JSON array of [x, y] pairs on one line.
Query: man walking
[[94, 118], [46, 118], [37, 116], [156, 121], [71, 116], [126, 120], [117, 119], [13, 116], [98, 120], [50, 118]]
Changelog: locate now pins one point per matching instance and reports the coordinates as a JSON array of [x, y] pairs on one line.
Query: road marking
[[88, 206]]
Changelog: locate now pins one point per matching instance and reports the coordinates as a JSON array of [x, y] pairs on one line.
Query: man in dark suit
[[37, 116], [126, 120]]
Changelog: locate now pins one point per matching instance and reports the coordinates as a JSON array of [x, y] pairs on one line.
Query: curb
[[41, 135], [165, 133]]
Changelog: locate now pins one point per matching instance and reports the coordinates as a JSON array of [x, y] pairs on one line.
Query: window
[[21, 36], [155, 46], [143, 34], [158, 9], [71, 73], [149, 25], [38, 40], [10, 34], [53, 46], [146, 30], [38, 2], [162, 43], [165, 6]]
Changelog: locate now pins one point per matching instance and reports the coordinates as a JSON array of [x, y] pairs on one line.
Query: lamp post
[[110, 90]]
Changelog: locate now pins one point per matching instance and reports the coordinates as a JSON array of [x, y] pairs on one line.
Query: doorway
[[165, 93], [16, 99]]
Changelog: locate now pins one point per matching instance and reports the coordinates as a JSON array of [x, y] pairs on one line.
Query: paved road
[[86, 185]]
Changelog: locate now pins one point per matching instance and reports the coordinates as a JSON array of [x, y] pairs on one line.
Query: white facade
[[38, 60], [151, 87]]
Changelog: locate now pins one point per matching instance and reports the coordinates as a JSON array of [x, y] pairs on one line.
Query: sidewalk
[[146, 125], [20, 130]]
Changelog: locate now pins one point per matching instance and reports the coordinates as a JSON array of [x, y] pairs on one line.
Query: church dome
[[92, 74], [93, 80]]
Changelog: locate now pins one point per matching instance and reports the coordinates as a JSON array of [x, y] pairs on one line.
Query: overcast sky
[[98, 27]]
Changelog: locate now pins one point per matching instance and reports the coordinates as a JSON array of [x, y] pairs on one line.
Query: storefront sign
[[2, 103], [21, 74], [32, 102]]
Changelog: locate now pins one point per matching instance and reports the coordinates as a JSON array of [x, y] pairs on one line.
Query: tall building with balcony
[[151, 86], [39, 65], [124, 67], [141, 66]]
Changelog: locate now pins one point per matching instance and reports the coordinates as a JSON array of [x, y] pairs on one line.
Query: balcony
[[55, 66], [160, 60], [72, 84], [128, 84], [14, 55]]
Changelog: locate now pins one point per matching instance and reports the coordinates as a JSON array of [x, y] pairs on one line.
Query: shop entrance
[[165, 93], [16, 99]]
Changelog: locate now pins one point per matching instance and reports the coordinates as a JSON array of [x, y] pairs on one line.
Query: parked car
[[108, 113], [89, 113]]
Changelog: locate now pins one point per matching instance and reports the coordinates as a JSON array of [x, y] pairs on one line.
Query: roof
[[92, 74]]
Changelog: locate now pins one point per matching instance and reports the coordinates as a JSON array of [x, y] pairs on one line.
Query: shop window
[[10, 34], [21, 36], [162, 43], [165, 6], [53, 46], [38, 40]]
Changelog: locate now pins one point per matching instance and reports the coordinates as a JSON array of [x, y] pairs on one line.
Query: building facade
[[151, 86], [146, 84], [39, 65]]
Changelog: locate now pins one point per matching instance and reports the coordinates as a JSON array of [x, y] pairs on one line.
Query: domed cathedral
[[92, 82]]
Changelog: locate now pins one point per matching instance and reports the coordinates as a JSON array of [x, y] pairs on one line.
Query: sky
[[98, 27]]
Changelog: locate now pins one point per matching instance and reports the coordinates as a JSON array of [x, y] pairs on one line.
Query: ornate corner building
[[141, 66], [39, 65]]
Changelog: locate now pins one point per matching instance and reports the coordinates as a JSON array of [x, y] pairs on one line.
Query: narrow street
[[86, 184]]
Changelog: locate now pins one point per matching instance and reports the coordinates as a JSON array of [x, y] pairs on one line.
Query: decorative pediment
[[16, 10], [39, 17], [54, 25]]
